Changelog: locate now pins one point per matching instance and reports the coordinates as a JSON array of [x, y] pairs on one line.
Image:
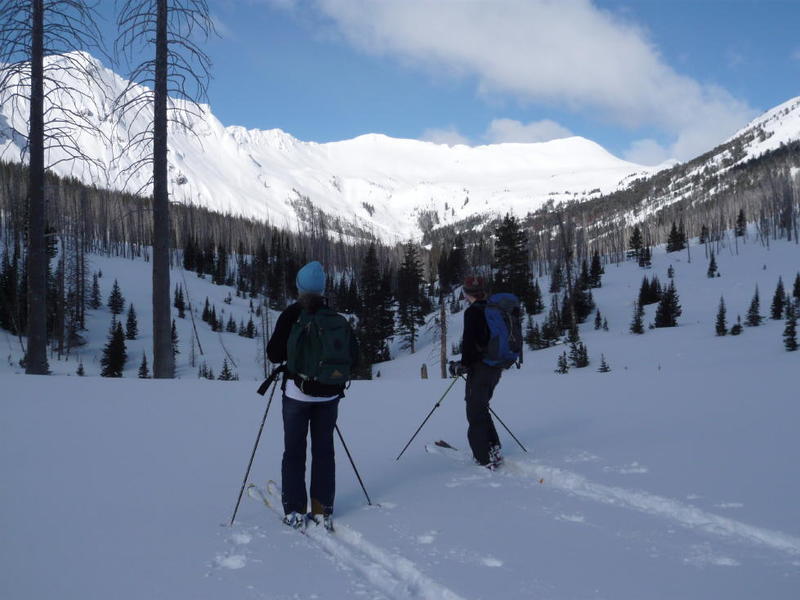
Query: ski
[[443, 444]]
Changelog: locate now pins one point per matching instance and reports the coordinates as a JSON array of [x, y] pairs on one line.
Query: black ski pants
[[298, 418], [481, 381]]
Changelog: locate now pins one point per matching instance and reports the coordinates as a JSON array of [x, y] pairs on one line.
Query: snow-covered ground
[[673, 476]]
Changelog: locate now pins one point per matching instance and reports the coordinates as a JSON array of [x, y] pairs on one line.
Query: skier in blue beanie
[[320, 351]]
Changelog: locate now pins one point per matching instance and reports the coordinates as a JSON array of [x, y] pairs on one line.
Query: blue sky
[[647, 79]]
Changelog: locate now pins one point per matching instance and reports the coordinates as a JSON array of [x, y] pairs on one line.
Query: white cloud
[[647, 152], [568, 53], [510, 130], [448, 135]]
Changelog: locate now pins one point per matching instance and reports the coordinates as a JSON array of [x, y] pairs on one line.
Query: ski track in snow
[[685, 514], [392, 575]]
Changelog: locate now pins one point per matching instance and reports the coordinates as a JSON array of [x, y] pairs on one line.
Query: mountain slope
[[389, 187]]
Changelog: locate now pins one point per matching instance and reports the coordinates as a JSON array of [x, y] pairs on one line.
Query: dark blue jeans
[[481, 381], [298, 418]]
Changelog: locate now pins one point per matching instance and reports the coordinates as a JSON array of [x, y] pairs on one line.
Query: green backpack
[[319, 347]]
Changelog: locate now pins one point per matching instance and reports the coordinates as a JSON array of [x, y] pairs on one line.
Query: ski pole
[[435, 406], [507, 429], [352, 462], [273, 379]]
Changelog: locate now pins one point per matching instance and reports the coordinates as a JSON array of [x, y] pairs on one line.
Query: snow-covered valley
[[672, 476]]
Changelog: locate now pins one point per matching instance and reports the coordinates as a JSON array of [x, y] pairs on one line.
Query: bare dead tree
[[40, 74], [168, 87]]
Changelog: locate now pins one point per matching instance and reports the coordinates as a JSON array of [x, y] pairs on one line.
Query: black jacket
[[476, 334], [277, 348]]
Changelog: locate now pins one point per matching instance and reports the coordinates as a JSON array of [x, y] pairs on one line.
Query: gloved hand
[[457, 369]]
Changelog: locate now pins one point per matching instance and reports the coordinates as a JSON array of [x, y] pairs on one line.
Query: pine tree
[[637, 325], [533, 301], [116, 302], [636, 243], [645, 257], [676, 240], [605, 324], [174, 334], [790, 331], [94, 297], [556, 279], [512, 270], [144, 371], [131, 326], [250, 332], [578, 355], [207, 311], [596, 271], [598, 321], [796, 288], [753, 318], [212, 319], [375, 317], [225, 374], [703, 234], [737, 329], [231, 326], [114, 352], [563, 364], [180, 302], [778, 301], [80, 372], [533, 337], [604, 368], [668, 309], [741, 224], [712, 266], [410, 315], [721, 324]]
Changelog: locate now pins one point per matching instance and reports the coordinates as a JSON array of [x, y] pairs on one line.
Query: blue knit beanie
[[311, 279]]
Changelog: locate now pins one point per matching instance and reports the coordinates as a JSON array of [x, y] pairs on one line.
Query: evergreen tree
[[637, 325], [579, 355], [703, 234], [80, 372], [533, 337], [712, 266], [512, 269], [144, 371], [721, 324], [116, 302], [231, 326], [376, 320], [790, 331], [754, 317], [645, 257], [114, 352], [605, 324], [598, 321], [94, 297], [604, 368], [180, 302], [533, 301], [636, 243], [668, 309], [670, 272], [131, 326], [457, 259], [737, 329], [213, 321], [225, 374], [741, 224], [174, 335], [410, 315], [796, 289], [676, 240], [206, 311], [250, 332], [584, 279], [596, 271], [778, 301], [563, 364], [556, 279]]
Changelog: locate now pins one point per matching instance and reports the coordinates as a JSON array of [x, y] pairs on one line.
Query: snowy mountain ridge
[[391, 188]]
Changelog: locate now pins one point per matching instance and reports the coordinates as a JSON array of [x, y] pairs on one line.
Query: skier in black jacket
[[481, 378], [307, 405]]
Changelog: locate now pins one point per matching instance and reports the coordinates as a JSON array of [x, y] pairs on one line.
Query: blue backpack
[[503, 316]]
